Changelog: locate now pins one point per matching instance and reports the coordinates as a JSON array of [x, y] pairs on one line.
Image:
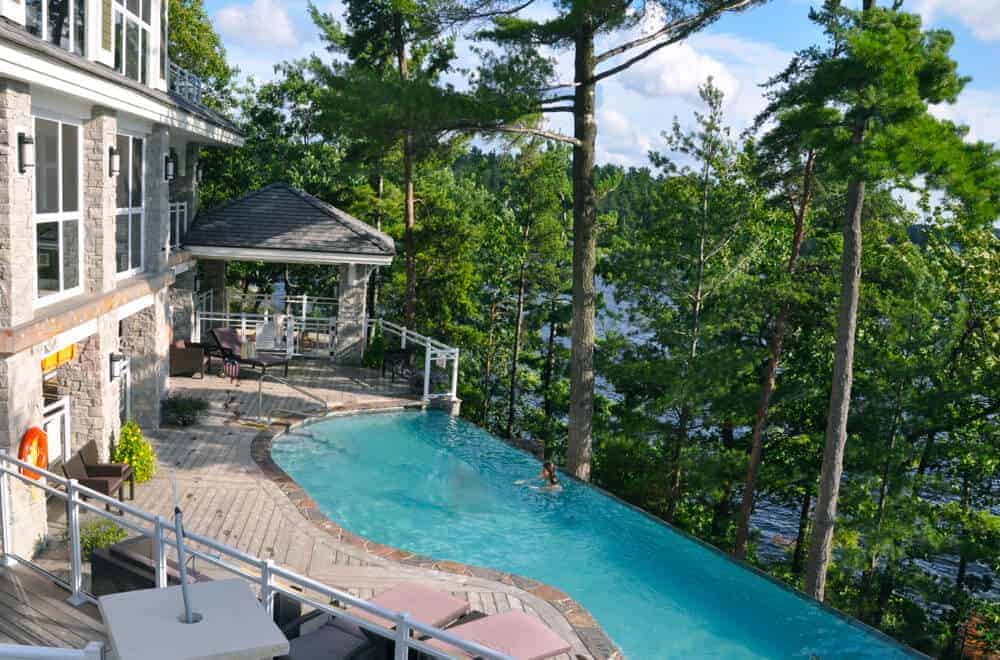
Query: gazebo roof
[[281, 224]]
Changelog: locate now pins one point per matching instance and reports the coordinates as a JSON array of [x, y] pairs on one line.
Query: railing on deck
[[434, 352], [186, 84], [268, 577], [92, 651]]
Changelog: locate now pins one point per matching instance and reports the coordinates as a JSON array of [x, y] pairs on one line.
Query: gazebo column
[[351, 313], [213, 278]]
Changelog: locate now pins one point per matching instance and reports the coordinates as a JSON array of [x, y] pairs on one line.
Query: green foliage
[[375, 351], [98, 534], [180, 410], [135, 450], [195, 46]]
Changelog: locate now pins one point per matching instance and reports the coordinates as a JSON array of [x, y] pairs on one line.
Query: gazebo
[[281, 224]]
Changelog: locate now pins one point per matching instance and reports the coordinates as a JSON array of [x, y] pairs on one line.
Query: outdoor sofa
[[105, 478], [229, 346], [188, 358]]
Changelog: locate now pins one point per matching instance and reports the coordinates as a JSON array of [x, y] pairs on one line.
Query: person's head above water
[[549, 473]]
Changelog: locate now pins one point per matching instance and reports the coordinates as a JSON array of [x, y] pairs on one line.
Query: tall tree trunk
[[488, 375], [375, 280], [800, 538], [547, 374], [680, 439], [410, 207], [581, 406], [771, 372], [840, 397], [518, 331]]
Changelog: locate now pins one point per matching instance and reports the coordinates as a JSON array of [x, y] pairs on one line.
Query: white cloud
[[262, 24], [678, 70], [620, 139], [977, 109], [982, 17]]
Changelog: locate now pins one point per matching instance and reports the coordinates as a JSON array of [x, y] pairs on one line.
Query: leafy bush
[[375, 352], [98, 534], [183, 410], [135, 450]]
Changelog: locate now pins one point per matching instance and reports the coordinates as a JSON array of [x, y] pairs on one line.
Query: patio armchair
[[230, 347], [95, 468], [106, 484], [398, 361], [188, 358]]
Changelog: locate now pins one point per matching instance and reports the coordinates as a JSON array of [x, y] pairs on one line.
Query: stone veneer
[[99, 135], [351, 314], [17, 263], [145, 340], [583, 623]]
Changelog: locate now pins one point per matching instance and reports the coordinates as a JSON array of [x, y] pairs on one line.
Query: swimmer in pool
[[549, 477]]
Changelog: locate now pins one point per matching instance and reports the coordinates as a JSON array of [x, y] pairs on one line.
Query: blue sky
[[739, 52]]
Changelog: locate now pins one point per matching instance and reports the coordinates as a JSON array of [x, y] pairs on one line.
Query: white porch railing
[[57, 424], [434, 351], [268, 577]]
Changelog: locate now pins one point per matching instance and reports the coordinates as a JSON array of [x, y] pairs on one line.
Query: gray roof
[[280, 217], [15, 33]]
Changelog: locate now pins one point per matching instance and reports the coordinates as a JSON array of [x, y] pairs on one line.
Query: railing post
[[5, 512], [266, 591], [243, 326], [75, 552], [160, 554], [94, 651], [454, 375], [402, 637], [289, 336], [304, 301], [402, 338], [427, 370]]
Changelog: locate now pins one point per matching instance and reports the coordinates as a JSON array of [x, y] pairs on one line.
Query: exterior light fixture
[[114, 162], [199, 171], [25, 152], [169, 167], [117, 365]]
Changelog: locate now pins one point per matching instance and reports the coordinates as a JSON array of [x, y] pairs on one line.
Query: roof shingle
[[280, 217]]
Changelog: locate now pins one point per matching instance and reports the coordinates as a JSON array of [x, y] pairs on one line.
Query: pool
[[444, 488]]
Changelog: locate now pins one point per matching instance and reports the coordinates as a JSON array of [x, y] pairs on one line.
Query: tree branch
[[653, 36], [518, 130], [558, 108]]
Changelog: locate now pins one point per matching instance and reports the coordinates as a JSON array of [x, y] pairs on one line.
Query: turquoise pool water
[[444, 488]]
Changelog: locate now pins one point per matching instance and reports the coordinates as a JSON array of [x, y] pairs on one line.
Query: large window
[[61, 22], [58, 237], [132, 25], [129, 218]]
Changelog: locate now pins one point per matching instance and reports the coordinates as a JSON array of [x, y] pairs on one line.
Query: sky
[[739, 52]]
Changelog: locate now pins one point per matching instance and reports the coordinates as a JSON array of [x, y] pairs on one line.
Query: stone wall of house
[[99, 134], [157, 190], [20, 409], [145, 339], [181, 309], [213, 278], [351, 313], [17, 263]]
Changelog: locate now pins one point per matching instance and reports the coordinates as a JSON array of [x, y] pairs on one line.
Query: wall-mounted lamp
[[118, 361], [25, 152], [199, 171], [169, 167], [114, 162]]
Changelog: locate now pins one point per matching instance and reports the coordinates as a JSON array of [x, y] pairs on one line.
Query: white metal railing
[[92, 651], [57, 423], [185, 83], [273, 331], [178, 223], [302, 306], [204, 301], [434, 352], [268, 577]]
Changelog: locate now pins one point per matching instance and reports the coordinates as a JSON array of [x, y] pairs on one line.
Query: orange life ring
[[34, 449]]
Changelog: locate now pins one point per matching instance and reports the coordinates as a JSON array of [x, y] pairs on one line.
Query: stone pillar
[[145, 339], [157, 240], [20, 409], [17, 259], [182, 317], [99, 136], [184, 187], [351, 313], [213, 278]]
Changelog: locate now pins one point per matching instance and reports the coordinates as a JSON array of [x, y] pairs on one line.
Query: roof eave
[[284, 256]]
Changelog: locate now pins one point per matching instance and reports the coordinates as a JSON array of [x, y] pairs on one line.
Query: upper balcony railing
[[186, 84]]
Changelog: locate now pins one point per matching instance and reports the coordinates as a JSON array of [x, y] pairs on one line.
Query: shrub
[[98, 534], [375, 352], [183, 410], [136, 451]]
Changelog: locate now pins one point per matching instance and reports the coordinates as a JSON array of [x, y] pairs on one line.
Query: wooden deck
[[226, 496], [34, 612]]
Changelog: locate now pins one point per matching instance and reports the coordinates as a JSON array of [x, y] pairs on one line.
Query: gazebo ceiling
[[281, 224]]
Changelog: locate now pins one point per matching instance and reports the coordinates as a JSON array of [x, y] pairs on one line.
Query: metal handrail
[[433, 350], [324, 404], [92, 651], [264, 575]]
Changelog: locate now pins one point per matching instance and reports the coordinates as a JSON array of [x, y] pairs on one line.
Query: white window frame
[[179, 220], [121, 7], [131, 210], [45, 36], [59, 217]]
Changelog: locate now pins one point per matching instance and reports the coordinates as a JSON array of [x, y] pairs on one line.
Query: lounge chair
[[95, 468], [229, 346], [512, 633], [187, 359], [106, 484], [424, 604]]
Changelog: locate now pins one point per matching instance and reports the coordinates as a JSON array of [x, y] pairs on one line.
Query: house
[[99, 143]]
